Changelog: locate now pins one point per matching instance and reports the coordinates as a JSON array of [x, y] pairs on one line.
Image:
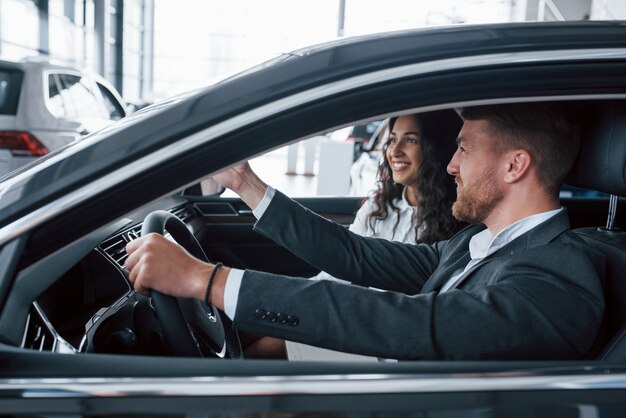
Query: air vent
[[115, 247], [37, 336], [183, 213]]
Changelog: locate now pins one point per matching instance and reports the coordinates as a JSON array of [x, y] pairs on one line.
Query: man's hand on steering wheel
[[156, 263]]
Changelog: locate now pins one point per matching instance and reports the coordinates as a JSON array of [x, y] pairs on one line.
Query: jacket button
[[293, 320], [271, 316], [282, 318], [260, 314]]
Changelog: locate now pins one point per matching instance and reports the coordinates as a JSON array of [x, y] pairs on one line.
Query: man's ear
[[517, 165]]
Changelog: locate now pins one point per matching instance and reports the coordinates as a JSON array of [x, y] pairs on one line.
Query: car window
[[79, 99], [321, 165], [577, 192], [10, 85], [113, 107], [328, 165], [56, 105], [334, 165]]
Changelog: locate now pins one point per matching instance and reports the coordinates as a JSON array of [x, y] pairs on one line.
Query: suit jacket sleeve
[[533, 301], [528, 312], [345, 255]]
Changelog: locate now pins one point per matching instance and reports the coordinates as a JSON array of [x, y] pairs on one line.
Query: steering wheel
[[190, 328]]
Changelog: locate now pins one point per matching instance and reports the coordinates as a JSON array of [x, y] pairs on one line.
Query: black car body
[[64, 222]]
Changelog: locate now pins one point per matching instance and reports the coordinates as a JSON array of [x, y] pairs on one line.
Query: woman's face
[[404, 153]]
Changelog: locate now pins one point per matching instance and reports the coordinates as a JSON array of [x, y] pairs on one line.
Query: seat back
[[611, 341], [601, 165]]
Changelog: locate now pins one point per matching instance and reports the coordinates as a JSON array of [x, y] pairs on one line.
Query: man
[[518, 284]]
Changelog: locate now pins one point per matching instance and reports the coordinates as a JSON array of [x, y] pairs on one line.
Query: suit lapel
[[540, 235], [547, 231], [445, 271], [465, 275], [517, 244]]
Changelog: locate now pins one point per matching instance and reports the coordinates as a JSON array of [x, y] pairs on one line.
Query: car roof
[[344, 64], [36, 63]]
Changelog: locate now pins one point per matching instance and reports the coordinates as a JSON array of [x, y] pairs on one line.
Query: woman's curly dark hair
[[433, 220]]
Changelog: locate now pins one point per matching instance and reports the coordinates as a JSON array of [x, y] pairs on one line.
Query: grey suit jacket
[[539, 297]]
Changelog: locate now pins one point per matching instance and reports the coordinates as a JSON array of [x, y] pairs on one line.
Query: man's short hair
[[550, 132]]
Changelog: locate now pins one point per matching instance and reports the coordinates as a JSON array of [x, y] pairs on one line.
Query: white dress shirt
[[481, 245]]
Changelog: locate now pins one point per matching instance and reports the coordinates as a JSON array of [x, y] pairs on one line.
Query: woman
[[413, 200], [415, 193]]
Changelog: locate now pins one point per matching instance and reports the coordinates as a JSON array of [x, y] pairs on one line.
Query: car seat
[[601, 165]]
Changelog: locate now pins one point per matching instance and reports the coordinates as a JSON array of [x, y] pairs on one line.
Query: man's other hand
[[243, 181]]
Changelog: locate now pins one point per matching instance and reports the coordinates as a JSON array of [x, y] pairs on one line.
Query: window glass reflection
[[113, 108], [56, 105], [83, 101], [4, 87]]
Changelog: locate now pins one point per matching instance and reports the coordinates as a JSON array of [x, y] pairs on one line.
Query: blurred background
[[152, 49]]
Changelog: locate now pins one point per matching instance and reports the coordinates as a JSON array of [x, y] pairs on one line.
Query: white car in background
[[45, 106]]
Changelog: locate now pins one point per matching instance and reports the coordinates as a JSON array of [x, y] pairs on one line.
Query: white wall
[[205, 39], [548, 10], [608, 9]]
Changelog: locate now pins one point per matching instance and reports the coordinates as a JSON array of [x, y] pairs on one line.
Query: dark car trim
[[304, 384]]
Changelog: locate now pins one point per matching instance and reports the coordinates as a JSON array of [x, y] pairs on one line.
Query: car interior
[[84, 303]]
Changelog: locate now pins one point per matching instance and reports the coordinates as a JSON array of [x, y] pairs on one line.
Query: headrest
[[601, 162]]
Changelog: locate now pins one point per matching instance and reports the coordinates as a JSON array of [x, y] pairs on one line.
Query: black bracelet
[[207, 295]]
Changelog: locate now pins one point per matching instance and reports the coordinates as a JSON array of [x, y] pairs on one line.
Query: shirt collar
[[402, 203], [485, 243]]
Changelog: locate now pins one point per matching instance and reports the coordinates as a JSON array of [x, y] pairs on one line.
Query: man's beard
[[476, 201]]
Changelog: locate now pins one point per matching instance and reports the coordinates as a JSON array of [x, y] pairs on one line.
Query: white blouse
[[383, 228], [377, 228]]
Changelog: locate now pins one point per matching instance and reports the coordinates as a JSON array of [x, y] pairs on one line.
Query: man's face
[[475, 169]]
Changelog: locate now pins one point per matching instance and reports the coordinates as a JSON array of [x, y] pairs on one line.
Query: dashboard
[[92, 307]]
